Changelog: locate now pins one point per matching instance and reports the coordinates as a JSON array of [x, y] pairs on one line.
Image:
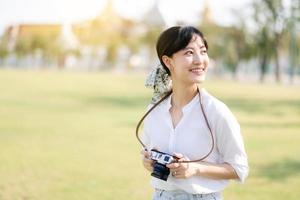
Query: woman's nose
[[198, 58]]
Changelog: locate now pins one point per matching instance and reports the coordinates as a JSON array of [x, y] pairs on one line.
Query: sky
[[70, 11]]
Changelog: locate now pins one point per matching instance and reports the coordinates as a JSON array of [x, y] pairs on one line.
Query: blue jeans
[[182, 195]]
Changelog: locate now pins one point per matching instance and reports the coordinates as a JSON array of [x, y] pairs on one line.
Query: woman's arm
[[204, 169], [216, 171]]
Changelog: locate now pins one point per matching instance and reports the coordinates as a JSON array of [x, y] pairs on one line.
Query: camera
[[160, 170]]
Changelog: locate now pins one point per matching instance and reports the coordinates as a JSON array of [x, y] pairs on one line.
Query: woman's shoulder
[[214, 105], [156, 110], [149, 106], [218, 112]]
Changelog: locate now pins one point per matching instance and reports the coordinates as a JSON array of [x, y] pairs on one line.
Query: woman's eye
[[203, 52], [189, 52]]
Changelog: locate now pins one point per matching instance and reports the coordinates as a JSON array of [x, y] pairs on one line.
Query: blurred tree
[[153, 23], [269, 17], [38, 42], [54, 51], [22, 47], [294, 42], [230, 45], [46, 46], [239, 47], [106, 30], [3, 51], [150, 37]]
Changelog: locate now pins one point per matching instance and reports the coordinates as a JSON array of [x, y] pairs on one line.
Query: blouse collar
[[188, 106]]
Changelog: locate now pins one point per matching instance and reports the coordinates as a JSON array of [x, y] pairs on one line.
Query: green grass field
[[70, 136]]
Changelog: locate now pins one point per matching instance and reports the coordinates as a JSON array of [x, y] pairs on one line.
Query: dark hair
[[174, 39]]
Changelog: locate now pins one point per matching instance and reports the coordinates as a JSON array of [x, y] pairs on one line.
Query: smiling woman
[[196, 130]]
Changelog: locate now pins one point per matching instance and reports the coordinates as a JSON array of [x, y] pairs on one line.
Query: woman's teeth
[[197, 70]]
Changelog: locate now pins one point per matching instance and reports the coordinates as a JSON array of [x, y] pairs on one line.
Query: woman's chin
[[199, 79]]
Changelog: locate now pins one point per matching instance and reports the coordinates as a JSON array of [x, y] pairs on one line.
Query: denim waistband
[[216, 195]]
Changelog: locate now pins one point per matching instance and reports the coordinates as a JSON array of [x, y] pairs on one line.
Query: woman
[[190, 123]]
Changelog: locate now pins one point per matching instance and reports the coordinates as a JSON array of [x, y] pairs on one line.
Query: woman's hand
[[183, 170], [147, 162], [204, 169]]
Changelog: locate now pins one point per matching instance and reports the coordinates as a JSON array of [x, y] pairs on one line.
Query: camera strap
[[205, 118]]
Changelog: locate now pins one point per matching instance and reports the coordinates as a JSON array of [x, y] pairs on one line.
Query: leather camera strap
[[205, 118]]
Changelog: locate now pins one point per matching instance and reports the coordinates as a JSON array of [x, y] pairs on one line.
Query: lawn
[[70, 136]]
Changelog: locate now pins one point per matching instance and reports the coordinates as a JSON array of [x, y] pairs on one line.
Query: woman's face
[[190, 64]]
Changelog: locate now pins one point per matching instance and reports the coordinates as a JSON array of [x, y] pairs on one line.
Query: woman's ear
[[167, 61]]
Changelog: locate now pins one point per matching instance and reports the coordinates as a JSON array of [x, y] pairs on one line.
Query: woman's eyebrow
[[186, 48], [201, 47]]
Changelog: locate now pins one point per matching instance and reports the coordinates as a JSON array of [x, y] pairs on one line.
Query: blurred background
[[250, 39], [72, 90]]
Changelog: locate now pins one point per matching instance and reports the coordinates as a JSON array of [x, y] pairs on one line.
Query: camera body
[[160, 170]]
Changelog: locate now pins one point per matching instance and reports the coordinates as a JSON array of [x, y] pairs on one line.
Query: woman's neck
[[183, 94]]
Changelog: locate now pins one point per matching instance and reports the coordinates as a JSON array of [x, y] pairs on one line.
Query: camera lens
[[160, 171]]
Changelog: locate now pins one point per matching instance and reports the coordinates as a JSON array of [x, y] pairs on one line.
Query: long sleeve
[[230, 144]]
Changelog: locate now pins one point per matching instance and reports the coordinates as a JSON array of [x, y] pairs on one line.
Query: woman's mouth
[[197, 71]]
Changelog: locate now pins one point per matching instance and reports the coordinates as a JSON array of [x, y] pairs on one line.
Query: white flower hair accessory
[[160, 81]]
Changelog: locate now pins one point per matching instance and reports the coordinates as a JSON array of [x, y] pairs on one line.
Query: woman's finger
[[178, 155], [173, 165]]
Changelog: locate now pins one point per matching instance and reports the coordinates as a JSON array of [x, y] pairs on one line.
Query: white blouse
[[191, 137]]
